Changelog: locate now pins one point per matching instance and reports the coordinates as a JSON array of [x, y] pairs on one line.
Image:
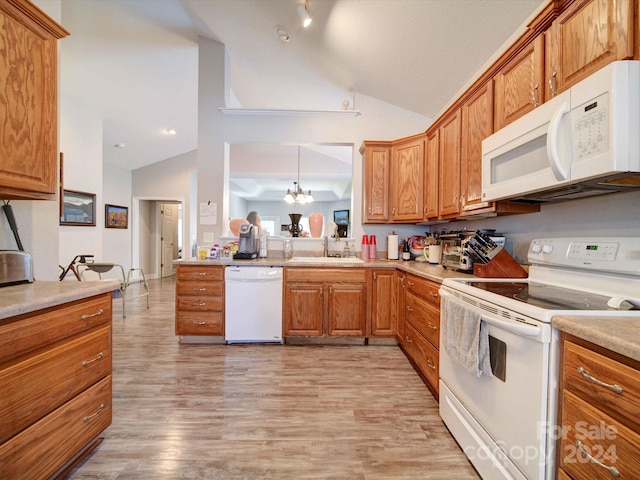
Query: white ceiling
[[134, 62]]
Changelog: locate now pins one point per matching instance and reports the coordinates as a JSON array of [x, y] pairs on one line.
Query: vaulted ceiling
[[134, 62]]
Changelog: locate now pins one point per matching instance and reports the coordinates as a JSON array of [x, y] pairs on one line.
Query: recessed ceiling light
[[119, 145], [283, 33], [171, 131]]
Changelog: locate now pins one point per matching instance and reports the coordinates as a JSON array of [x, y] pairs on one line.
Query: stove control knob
[[536, 248], [547, 248]]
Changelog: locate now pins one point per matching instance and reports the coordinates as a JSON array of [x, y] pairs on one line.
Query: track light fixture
[[303, 13]]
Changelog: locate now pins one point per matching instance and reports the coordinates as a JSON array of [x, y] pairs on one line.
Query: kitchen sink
[[331, 260]]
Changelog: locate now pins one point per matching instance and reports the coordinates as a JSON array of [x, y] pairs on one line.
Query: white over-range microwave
[[583, 142]]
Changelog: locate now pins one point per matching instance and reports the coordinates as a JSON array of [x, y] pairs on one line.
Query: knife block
[[502, 265]]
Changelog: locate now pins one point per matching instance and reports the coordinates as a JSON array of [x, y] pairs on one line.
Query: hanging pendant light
[[297, 195]]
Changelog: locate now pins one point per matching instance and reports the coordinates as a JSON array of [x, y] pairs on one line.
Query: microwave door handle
[[561, 172]]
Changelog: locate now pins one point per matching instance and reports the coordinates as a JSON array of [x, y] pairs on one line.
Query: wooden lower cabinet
[[200, 300], [325, 302], [599, 413], [384, 303], [419, 327], [55, 391]]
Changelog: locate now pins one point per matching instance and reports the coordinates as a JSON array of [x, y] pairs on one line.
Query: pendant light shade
[[297, 195], [303, 13]]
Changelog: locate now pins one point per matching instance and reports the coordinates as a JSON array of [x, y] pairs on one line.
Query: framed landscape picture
[[78, 208], [116, 216]]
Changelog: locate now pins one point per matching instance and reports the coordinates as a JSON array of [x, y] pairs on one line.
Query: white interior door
[[169, 238]]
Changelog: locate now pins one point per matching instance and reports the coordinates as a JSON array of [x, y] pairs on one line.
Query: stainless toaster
[[15, 268]]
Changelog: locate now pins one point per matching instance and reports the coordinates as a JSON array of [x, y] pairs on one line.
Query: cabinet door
[[431, 175], [407, 172], [346, 309], [304, 308], [401, 318], [384, 303], [519, 84], [28, 61], [449, 165], [376, 166], [586, 37], [477, 124]]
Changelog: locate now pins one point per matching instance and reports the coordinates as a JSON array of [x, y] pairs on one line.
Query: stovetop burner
[[548, 297]]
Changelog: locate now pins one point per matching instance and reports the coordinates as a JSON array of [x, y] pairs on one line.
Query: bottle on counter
[[287, 249], [213, 254], [406, 254]]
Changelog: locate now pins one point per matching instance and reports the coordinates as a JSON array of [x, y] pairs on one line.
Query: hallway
[[263, 411]]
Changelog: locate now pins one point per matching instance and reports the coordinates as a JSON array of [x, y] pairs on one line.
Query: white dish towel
[[465, 337]]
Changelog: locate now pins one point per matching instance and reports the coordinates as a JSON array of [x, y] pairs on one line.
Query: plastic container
[[364, 248], [287, 249], [373, 247]]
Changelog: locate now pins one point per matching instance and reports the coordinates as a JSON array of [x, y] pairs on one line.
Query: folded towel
[[465, 337]]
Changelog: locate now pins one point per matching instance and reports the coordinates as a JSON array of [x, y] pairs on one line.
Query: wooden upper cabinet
[[431, 175], [376, 167], [449, 165], [28, 101], [477, 124], [519, 85], [586, 37], [407, 176]]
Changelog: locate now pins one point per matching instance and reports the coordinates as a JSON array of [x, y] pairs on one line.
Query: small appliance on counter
[[457, 252], [248, 242], [15, 268]]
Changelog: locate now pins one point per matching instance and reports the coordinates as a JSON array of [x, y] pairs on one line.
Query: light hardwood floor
[[263, 411]]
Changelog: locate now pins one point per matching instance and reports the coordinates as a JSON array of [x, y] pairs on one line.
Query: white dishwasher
[[253, 304]]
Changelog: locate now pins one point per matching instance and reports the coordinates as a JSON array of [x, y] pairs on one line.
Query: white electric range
[[503, 420]]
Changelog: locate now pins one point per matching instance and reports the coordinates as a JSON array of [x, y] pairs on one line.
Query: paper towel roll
[[392, 247]]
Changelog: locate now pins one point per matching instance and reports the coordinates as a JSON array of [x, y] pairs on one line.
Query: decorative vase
[[316, 221], [295, 228]]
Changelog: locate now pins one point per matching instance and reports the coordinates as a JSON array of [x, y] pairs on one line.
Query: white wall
[[116, 242]]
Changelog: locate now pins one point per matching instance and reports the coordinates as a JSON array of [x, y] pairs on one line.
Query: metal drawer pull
[[98, 412], [199, 323], [435, 295], [200, 274], [407, 339], [97, 314], [89, 362], [554, 92], [612, 470], [431, 365], [199, 289], [431, 326], [409, 309], [199, 304], [615, 387], [410, 283]]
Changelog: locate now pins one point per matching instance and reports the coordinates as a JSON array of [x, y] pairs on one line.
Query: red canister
[[373, 247]]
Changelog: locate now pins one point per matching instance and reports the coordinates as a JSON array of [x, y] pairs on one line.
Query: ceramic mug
[[432, 253]]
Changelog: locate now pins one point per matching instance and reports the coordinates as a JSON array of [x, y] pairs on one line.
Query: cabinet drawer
[[29, 332], [425, 356], [44, 447], [200, 304], [211, 323], [325, 275], [587, 429], [424, 317], [200, 288], [40, 384], [197, 272], [624, 406], [424, 289]]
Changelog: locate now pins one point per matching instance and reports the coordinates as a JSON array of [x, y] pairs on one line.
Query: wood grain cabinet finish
[[599, 413], [28, 107], [376, 166], [431, 175], [421, 328], [55, 392], [519, 85], [584, 38], [200, 300], [449, 165], [384, 303], [325, 302], [407, 176]]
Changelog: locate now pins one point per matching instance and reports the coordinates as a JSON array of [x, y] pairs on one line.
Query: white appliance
[[582, 142], [253, 304], [504, 423]]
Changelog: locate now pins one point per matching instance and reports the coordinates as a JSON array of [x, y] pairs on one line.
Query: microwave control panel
[[591, 127]]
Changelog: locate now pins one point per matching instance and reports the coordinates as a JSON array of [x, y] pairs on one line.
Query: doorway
[[153, 250]]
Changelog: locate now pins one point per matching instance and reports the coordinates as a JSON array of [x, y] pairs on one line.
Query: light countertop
[[29, 297]]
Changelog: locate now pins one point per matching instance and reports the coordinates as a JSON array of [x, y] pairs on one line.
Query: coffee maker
[[249, 242]]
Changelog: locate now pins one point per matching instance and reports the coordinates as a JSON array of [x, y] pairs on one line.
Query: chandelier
[[297, 195]]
